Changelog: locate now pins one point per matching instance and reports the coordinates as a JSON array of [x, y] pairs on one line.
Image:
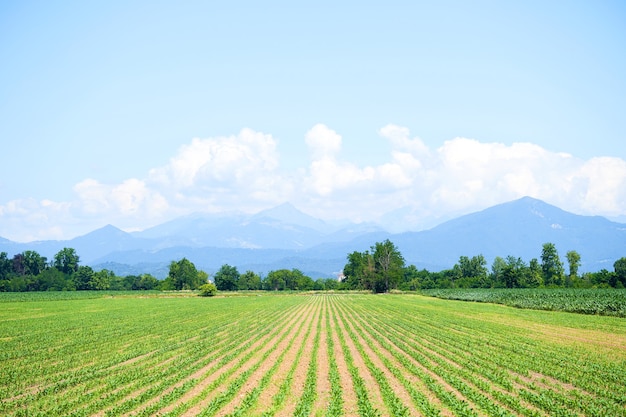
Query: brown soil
[[299, 377], [260, 347], [257, 375], [349, 395], [265, 398], [373, 389]]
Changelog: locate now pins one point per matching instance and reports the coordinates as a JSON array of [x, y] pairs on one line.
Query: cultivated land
[[309, 354]]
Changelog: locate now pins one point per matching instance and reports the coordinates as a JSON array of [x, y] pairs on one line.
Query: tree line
[[30, 271], [382, 268]]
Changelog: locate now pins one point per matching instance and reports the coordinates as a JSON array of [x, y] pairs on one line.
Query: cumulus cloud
[[243, 172], [223, 161], [323, 142]]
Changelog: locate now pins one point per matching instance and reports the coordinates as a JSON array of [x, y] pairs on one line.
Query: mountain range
[[284, 237]]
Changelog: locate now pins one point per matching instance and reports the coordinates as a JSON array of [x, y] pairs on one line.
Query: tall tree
[[34, 263], [275, 280], [551, 265], [83, 278], [6, 267], [185, 276], [249, 281], [355, 270], [19, 267], [389, 265], [620, 271], [514, 272], [227, 278], [573, 261], [66, 261], [534, 277]]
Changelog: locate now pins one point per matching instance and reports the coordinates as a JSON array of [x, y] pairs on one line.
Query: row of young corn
[[259, 356], [489, 368]]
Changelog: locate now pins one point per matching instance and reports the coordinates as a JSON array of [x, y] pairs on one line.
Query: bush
[[207, 290]]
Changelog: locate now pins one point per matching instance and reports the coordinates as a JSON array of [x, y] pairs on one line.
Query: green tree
[[533, 278], [19, 267], [275, 280], [227, 278], [184, 275], [514, 272], [355, 271], [51, 279], [102, 280], [471, 272], [551, 265], [66, 261], [303, 282], [573, 260], [34, 263], [388, 264], [497, 271], [5, 266], [145, 282], [83, 278], [249, 281], [620, 271]]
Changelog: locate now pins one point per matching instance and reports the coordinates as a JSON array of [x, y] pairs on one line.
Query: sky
[[409, 113]]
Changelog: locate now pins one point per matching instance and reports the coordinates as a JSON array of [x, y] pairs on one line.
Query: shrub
[[207, 290]]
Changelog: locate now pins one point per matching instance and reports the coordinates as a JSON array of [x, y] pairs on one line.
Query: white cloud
[[605, 191], [223, 173], [242, 172], [323, 142]]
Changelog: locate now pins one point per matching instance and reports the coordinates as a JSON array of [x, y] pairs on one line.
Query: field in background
[[306, 355], [603, 301]]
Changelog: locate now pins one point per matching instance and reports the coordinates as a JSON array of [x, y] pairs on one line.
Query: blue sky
[[132, 113]]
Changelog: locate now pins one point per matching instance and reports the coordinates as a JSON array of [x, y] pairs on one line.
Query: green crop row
[[602, 301], [403, 355]]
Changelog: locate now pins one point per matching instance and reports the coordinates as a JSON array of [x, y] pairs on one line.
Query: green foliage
[[608, 302], [551, 265], [380, 270], [249, 281], [207, 290], [285, 279], [66, 261], [227, 278], [185, 276]]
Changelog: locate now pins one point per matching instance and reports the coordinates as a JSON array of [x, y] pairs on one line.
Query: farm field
[[307, 354], [603, 301]]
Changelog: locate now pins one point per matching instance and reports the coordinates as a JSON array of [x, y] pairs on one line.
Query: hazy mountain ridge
[[284, 237]]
